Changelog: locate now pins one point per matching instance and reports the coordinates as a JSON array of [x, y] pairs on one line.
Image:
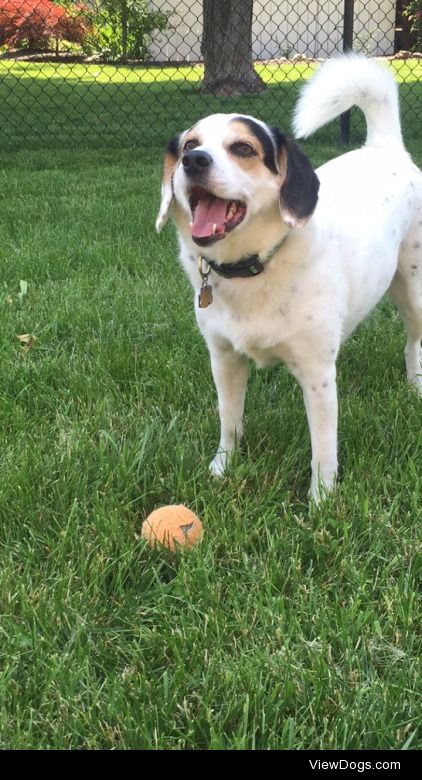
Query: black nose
[[196, 162]]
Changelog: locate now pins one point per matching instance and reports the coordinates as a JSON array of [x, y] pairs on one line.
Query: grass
[[58, 105], [287, 627]]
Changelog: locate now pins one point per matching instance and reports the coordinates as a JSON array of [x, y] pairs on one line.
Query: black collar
[[246, 267]]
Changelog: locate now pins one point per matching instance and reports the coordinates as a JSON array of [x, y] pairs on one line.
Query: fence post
[[348, 14]]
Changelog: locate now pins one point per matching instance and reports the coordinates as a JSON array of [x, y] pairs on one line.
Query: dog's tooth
[[214, 229]]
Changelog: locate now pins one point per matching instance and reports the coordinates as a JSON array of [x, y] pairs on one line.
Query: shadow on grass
[[68, 112]]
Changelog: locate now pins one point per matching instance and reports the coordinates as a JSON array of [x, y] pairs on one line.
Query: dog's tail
[[345, 81]]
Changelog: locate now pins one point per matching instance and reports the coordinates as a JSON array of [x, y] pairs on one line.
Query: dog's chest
[[256, 322], [263, 339]]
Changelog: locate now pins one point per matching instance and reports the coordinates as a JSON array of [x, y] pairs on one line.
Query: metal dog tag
[[205, 295]]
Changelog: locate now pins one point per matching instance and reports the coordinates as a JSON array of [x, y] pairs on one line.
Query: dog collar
[[245, 268]]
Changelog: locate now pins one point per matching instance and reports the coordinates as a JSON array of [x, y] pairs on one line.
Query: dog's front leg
[[230, 371], [320, 395]]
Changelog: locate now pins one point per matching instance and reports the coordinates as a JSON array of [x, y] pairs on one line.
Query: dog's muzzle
[[212, 217], [196, 162]]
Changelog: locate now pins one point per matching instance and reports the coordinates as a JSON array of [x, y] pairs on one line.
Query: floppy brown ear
[[170, 159], [299, 191]]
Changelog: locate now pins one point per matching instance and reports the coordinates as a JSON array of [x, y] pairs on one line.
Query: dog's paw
[[416, 382], [321, 490], [218, 465]]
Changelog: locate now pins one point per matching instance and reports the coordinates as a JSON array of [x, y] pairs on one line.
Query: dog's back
[[380, 196]]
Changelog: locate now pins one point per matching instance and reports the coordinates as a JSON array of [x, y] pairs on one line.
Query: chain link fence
[[130, 73]]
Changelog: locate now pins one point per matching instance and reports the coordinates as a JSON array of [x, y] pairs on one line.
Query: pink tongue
[[209, 212]]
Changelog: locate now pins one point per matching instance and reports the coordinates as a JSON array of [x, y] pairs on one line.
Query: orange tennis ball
[[172, 526]]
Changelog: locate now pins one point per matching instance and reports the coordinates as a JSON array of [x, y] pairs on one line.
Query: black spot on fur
[[265, 138]]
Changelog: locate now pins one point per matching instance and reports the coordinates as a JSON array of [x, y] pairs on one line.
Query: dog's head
[[228, 169]]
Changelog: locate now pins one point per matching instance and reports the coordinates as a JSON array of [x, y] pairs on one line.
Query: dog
[[286, 261]]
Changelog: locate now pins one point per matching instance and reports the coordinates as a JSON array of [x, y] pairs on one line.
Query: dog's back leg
[[313, 365], [406, 292]]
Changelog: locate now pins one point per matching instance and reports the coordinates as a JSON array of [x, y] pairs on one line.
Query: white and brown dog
[[291, 260]]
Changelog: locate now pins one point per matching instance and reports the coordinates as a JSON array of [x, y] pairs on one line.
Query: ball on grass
[[172, 526]]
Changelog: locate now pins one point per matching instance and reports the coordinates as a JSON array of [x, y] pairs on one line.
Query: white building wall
[[282, 29]]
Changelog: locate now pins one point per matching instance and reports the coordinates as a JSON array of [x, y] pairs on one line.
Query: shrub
[[34, 23], [413, 11], [122, 28]]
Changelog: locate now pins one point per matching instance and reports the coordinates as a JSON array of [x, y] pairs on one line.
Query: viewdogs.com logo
[[359, 766]]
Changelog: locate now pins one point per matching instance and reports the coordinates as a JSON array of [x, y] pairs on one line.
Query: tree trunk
[[227, 48]]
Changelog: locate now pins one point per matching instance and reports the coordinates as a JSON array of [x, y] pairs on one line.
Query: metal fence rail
[[128, 73]]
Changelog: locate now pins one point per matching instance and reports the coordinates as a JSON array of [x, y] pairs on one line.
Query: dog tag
[[205, 295]]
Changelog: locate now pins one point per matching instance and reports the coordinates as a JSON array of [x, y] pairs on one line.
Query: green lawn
[[62, 105], [286, 628]]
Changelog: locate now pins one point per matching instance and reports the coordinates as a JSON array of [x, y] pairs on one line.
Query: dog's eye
[[243, 150], [189, 145]]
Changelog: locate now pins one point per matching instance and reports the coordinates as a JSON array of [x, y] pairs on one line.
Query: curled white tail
[[345, 81]]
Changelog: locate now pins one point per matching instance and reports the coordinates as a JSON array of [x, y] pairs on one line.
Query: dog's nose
[[196, 162]]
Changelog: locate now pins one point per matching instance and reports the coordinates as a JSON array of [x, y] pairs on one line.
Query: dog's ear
[[299, 190], [170, 159]]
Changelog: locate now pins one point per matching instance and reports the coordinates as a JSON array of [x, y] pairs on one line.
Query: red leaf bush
[[33, 23]]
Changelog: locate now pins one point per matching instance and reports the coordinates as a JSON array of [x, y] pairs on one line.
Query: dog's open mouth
[[213, 217]]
